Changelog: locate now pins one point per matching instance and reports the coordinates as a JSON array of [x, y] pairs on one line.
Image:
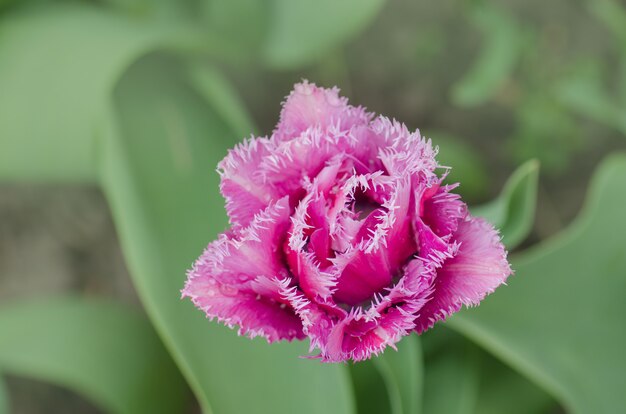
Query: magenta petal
[[343, 232], [309, 105], [384, 243], [477, 269], [254, 314], [308, 248], [443, 210], [244, 190], [358, 337], [403, 152], [312, 280], [228, 280]]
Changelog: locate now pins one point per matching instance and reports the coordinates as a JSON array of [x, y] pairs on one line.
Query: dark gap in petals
[[363, 205]]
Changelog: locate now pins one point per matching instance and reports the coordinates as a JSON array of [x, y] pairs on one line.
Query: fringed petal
[[229, 280], [477, 269], [241, 185], [443, 210], [309, 105], [382, 245], [342, 232]]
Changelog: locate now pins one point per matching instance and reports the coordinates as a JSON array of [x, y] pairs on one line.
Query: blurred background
[[494, 84]]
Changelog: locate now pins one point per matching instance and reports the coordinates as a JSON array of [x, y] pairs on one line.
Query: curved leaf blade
[[461, 378], [560, 320], [401, 371], [513, 211], [452, 380], [54, 91], [4, 398], [369, 388], [302, 31], [504, 41], [100, 349], [219, 94], [156, 172]]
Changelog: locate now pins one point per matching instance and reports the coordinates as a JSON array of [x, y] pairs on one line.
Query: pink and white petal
[[314, 282], [415, 285], [361, 276], [241, 185], [383, 244], [443, 210], [297, 161], [308, 248], [317, 320], [236, 259], [358, 337], [476, 270], [309, 105], [255, 315], [402, 151], [231, 280]]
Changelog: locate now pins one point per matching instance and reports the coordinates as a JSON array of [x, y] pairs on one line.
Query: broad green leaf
[[513, 211], [158, 174], [503, 45], [300, 31], [392, 381], [220, 95], [560, 319], [57, 67], [461, 378], [243, 22], [502, 390], [370, 388], [4, 398], [451, 380], [100, 349], [401, 371]]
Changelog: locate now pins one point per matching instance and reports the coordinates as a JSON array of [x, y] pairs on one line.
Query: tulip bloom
[[342, 231]]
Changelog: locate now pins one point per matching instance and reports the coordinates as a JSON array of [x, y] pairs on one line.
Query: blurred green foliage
[[101, 349], [560, 321], [513, 212], [4, 398], [144, 97]]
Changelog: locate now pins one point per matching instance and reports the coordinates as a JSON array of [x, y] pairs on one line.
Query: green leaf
[[502, 49], [401, 371], [502, 390], [468, 166], [158, 175], [302, 31], [461, 378], [451, 379], [220, 95], [100, 349], [243, 22], [613, 15], [392, 381], [582, 91], [370, 388], [560, 319], [54, 91], [545, 131], [513, 212], [4, 398]]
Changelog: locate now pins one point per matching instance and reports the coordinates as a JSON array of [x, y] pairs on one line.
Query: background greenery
[[141, 99]]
